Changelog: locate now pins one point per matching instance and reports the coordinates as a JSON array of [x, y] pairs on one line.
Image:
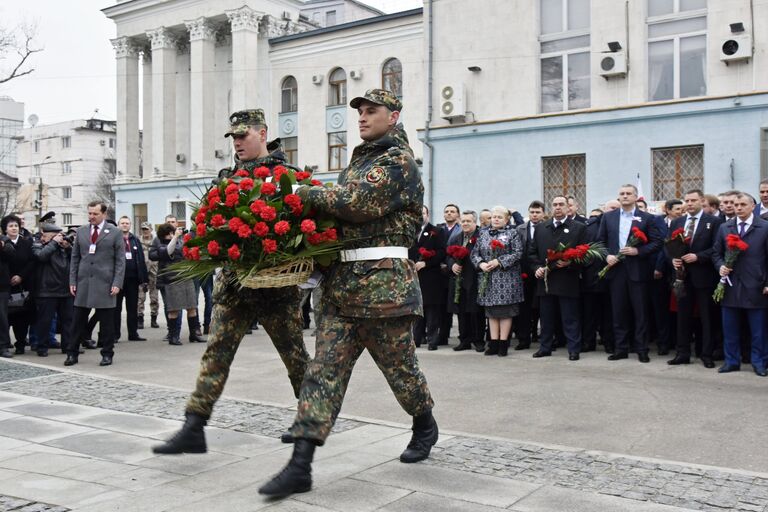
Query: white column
[[202, 80], [127, 151], [163, 101], [146, 142], [245, 46]]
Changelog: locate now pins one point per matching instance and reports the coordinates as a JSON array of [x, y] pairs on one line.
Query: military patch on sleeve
[[375, 175]]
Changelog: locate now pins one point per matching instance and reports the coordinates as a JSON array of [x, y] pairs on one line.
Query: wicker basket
[[291, 273]]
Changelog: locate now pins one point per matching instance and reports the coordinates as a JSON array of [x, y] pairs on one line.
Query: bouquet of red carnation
[[252, 222], [458, 253], [734, 246], [426, 254], [636, 237], [582, 254], [677, 247], [496, 246]]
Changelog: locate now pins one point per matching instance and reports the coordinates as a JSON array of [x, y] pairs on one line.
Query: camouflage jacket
[[377, 202]]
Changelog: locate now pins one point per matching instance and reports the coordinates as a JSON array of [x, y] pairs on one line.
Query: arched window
[[337, 87], [392, 77], [290, 95]]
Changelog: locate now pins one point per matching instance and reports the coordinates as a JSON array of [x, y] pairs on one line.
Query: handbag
[[19, 302]]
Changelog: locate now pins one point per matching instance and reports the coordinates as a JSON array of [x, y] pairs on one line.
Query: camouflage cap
[[379, 97], [146, 225], [240, 121]]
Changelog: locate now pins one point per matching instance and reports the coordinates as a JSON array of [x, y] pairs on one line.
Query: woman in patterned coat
[[496, 256]]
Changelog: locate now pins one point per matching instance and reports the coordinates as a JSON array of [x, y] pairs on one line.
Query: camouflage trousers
[[234, 310], [154, 304], [340, 342]]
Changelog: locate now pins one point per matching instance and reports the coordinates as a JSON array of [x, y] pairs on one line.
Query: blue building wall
[[481, 165], [158, 196]]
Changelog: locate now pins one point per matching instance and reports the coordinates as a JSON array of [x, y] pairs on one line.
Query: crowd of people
[[504, 277]]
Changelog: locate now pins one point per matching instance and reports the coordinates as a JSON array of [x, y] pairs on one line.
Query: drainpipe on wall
[[427, 143]]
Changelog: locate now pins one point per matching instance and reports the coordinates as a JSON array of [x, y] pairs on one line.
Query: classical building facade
[[64, 166], [11, 124], [521, 101]]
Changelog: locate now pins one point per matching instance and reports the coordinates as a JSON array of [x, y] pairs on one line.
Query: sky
[[75, 73]]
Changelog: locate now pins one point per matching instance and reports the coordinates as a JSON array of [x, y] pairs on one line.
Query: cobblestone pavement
[[150, 400], [668, 484], [679, 485], [11, 504]]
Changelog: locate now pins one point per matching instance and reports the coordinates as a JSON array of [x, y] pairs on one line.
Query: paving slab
[[54, 410], [138, 479], [51, 489], [429, 502], [230, 477], [186, 464], [550, 498], [12, 399], [107, 445], [130, 424], [295, 506], [156, 499], [348, 494], [38, 430], [46, 463], [240, 443]]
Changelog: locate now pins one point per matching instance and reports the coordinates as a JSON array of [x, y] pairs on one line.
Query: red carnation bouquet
[[582, 254], [426, 254], [459, 253], [677, 247], [253, 222], [496, 247], [636, 237], [734, 246]]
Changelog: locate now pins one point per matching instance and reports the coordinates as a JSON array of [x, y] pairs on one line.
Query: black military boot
[[140, 322], [296, 476], [503, 348], [493, 348], [423, 439], [190, 439], [153, 322], [194, 330]]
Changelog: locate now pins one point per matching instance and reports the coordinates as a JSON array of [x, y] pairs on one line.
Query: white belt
[[374, 253]]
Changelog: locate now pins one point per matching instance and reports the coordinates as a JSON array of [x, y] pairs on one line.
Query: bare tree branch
[[9, 41]]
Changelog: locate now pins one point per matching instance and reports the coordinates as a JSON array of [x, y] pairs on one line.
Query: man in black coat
[[470, 314], [700, 231], [561, 289], [428, 254], [136, 275], [447, 228], [527, 322], [595, 299]]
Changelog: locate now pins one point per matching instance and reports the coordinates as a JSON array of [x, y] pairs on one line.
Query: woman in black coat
[[471, 315], [21, 268]]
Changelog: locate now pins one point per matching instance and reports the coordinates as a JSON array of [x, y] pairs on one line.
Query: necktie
[[742, 228], [557, 224], [127, 245], [690, 227], [95, 234]]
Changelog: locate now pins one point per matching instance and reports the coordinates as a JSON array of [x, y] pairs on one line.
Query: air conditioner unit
[[736, 48], [317, 79], [180, 158], [287, 15], [356, 74], [613, 64], [452, 101], [218, 153]]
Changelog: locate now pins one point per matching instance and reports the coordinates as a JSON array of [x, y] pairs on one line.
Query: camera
[[184, 231], [70, 238]]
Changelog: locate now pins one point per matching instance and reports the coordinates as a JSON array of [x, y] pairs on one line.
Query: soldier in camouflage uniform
[[372, 296], [146, 237], [235, 308]]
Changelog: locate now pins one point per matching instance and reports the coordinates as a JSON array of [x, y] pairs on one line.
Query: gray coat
[[505, 286], [95, 274]]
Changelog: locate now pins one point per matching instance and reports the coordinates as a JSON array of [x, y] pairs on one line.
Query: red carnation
[[302, 175], [330, 234], [261, 229], [234, 252], [232, 200], [495, 244], [308, 226], [231, 189], [244, 231], [426, 253], [638, 233], [214, 192], [218, 220], [186, 238], [201, 229], [185, 252], [524, 275], [268, 189], [268, 213], [279, 171], [194, 253], [316, 183], [676, 233], [315, 239], [246, 184], [242, 173], [200, 217], [262, 172], [268, 246], [257, 205], [292, 200], [235, 223], [297, 211], [282, 227], [213, 248]]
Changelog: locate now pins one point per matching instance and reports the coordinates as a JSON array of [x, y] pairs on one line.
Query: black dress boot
[[493, 348], [194, 330], [153, 322], [296, 476], [190, 439], [174, 332], [424, 437], [503, 348]]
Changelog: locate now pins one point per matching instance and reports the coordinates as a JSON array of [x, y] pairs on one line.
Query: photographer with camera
[[52, 252], [135, 277]]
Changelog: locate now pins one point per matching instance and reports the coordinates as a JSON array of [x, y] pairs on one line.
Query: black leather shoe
[[541, 353], [296, 476], [523, 346], [105, 361], [617, 356], [6, 352], [153, 322], [431, 347], [136, 337], [479, 347], [190, 439], [139, 323], [197, 337], [19, 351], [71, 360], [462, 346], [573, 357], [425, 434], [42, 353], [663, 352], [174, 340], [286, 438], [679, 360], [707, 362], [728, 368], [89, 344], [643, 357], [760, 372]]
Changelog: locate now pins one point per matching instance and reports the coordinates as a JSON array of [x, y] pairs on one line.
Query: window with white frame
[[66, 142], [38, 170], [565, 57], [66, 192], [330, 18], [289, 95], [291, 150], [677, 49], [66, 167], [392, 77], [36, 146], [337, 88], [179, 210], [337, 151], [67, 218], [112, 143]]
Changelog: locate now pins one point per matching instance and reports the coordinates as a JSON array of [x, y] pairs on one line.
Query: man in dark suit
[[527, 323], [700, 277], [447, 228], [628, 278], [762, 207], [96, 274], [428, 254], [561, 291], [747, 290], [136, 275], [469, 313], [573, 210], [595, 300]]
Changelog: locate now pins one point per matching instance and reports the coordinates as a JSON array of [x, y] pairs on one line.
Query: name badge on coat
[[92, 249], [128, 255]]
